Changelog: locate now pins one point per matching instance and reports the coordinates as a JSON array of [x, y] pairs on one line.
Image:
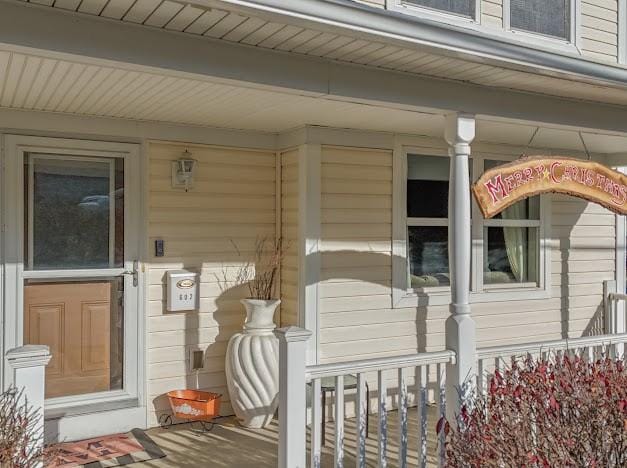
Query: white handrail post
[[292, 396], [29, 373], [609, 306], [460, 327]]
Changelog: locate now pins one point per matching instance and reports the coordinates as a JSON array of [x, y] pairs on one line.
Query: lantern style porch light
[[183, 171]]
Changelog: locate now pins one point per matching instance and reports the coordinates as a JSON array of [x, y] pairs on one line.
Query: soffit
[[346, 46], [32, 82]]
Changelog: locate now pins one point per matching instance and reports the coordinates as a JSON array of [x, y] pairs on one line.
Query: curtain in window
[[515, 242]]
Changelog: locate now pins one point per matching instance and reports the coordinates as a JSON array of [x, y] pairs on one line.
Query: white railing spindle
[[441, 402], [481, 377], [421, 400], [316, 423], [360, 459], [383, 421], [339, 421], [402, 419]]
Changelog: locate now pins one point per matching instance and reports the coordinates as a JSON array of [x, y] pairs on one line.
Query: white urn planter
[[252, 365]]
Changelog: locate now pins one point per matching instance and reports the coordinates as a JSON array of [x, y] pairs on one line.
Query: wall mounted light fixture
[[183, 171]]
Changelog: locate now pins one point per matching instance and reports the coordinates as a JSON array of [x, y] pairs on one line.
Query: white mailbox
[[182, 290]]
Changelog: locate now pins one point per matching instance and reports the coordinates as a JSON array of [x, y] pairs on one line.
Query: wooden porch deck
[[229, 445]]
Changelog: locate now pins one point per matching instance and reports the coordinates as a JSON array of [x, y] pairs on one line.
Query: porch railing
[[430, 375], [430, 371], [592, 347]]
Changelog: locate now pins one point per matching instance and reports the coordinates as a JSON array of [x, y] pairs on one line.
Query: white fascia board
[[440, 37]]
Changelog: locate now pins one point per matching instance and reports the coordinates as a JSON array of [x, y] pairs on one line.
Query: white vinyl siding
[[356, 317], [289, 232], [599, 29], [232, 201], [492, 13], [356, 267]]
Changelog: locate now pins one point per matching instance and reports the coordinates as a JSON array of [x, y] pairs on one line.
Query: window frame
[[568, 45], [403, 295], [479, 250], [505, 32], [402, 6]]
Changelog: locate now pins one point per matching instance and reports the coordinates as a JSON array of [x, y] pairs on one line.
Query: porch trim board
[[621, 267], [309, 203]]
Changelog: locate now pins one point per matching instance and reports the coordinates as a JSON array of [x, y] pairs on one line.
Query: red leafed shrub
[[18, 433], [562, 412]]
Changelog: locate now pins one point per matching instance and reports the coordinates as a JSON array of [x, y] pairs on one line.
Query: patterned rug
[[107, 451]]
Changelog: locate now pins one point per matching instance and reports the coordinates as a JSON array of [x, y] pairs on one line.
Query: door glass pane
[[428, 256], [511, 255], [83, 324], [75, 212]]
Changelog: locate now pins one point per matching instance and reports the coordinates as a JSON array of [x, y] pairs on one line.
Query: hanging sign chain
[[585, 147], [535, 132]]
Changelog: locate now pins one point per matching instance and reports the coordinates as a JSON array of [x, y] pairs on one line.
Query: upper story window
[[548, 17], [457, 7]]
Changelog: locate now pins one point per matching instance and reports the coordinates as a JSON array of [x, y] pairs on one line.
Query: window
[[427, 213], [547, 17], [511, 243], [458, 7], [508, 259]]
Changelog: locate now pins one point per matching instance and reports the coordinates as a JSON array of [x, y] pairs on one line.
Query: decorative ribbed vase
[[252, 365]]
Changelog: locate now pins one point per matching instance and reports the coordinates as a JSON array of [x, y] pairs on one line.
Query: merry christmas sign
[[504, 185]]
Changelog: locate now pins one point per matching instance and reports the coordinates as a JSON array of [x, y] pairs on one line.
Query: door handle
[[134, 273]]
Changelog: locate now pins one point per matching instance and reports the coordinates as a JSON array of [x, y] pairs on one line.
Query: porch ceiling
[[40, 83], [32, 82], [334, 43]]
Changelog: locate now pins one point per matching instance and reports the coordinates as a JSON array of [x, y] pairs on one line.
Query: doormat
[[107, 451]]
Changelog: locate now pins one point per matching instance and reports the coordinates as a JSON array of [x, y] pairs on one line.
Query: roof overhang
[[439, 37]]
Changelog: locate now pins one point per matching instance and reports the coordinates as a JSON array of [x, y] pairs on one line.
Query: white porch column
[[460, 327], [29, 372], [292, 396]]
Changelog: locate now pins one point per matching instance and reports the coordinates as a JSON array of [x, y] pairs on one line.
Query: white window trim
[[538, 41], [404, 296], [570, 45], [408, 8]]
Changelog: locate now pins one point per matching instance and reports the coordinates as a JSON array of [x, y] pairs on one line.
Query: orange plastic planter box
[[194, 405]]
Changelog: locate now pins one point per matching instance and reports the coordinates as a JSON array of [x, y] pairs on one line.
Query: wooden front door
[[73, 319]]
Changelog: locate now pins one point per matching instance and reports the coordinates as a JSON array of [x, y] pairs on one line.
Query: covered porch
[[314, 147]]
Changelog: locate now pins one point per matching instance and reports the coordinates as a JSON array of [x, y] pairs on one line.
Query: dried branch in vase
[[259, 273]]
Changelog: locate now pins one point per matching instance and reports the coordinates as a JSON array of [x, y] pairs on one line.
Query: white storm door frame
[[16, 148]]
